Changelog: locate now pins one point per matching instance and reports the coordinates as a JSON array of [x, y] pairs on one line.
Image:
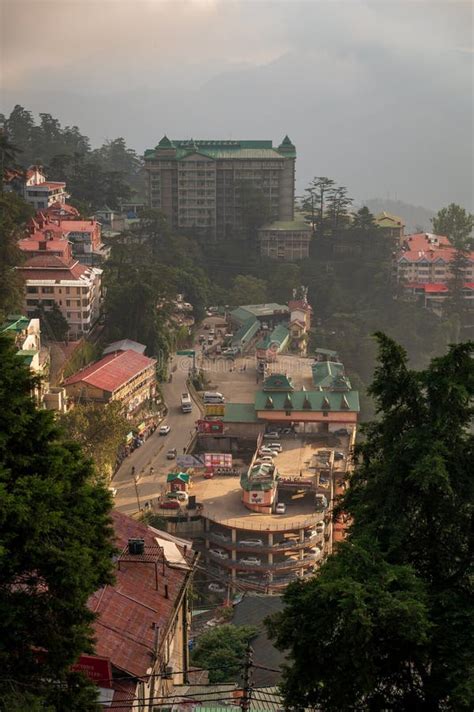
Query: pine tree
[[388, 623], [55, 551]]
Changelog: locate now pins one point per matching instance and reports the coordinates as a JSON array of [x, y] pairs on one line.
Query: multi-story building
[[84, 235], [199, 184], [423, 268], [125, 376], [391, 225], [72, 286], [34, 188], [285, 240]]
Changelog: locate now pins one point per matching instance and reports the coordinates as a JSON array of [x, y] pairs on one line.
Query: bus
[[186, 404]]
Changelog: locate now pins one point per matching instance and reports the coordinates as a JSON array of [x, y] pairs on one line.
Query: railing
[[246, 523], [264, 566], [279, 546]]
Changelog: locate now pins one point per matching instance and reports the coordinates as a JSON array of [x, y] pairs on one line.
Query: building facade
[[199, 184], [286, 241], [73, 287], [33, 187], [124, 376]]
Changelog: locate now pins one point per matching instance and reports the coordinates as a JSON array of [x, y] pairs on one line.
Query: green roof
[[288, 225], [326, 352], [225, 149], [324, 372], [181, 476], [15, 322], [248, 329], [308, 400], [279, 335], [240, 413], [277, 382], [258, 310]]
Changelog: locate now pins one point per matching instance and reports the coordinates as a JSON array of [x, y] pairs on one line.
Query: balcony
[[289, 545]]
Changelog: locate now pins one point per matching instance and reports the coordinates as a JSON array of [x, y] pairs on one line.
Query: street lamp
[[135, 481]]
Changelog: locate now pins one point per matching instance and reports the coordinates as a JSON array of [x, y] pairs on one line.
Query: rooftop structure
[[197, 183], [124, 345], [391, 225], [141, 624], [285, 240]]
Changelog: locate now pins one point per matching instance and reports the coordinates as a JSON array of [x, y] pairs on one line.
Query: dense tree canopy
[[388, 622], [55, 551], [222, 651], [13, 215], [456, 223]]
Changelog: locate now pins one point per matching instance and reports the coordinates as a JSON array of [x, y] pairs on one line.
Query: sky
[[376, 95]]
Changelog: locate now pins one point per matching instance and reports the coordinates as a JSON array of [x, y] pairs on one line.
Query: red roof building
[[125, 376], [142, 619]]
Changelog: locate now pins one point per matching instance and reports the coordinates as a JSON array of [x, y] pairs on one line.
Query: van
[[213, 397]]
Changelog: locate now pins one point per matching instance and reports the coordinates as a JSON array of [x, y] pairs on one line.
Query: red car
[[169, 504]]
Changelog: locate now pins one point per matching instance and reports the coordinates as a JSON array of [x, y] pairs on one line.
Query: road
[[153, 451]]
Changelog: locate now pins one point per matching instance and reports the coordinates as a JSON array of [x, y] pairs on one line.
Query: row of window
[[50, 290]]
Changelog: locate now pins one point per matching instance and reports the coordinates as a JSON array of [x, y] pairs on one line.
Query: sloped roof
[[112, 371], [277, 382], [240, 413], [318, 400], [287, 226], [15, 322], [385, 219], [131, 608], [223, 149], [324, 372]]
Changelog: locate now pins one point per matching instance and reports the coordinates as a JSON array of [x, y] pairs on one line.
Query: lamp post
[[135, 481]]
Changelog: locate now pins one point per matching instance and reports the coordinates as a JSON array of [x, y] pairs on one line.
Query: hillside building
[[197, 184], [287, 241]]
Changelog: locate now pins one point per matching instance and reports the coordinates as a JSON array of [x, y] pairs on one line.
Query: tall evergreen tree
[[388, 622], [55, 551], [456, 223]]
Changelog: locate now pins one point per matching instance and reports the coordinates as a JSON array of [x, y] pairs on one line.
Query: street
[[153, 451]]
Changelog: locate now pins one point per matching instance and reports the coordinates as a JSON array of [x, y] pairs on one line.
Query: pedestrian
[[152, 469], [184, 451]]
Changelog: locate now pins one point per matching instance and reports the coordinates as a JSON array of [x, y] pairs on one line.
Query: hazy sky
[[377, 95]]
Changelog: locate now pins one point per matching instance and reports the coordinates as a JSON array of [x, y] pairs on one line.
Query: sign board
[[141, 428], [184, 461], [186, 353], [217, 459], [214, 409], [98, 670], [210, 427], [129, 438]]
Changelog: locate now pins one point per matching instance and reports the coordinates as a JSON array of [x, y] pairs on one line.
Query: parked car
[[321, 502], [316, 552], [169, 504], [179, 495], [266, 458], [251, 561], [324, 481], [339, 456], [250, 542], [219, 553], [210, 340], [202, 338], [267, 451], [287, 431], [310, 533], [280, 508], [171, 454], [320, 527], [164, 429], [221, 536], [216, 588], [342, 431], [275, 446], [113, 491], [271, 435]]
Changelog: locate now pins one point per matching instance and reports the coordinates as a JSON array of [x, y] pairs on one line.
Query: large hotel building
[[196, 184]]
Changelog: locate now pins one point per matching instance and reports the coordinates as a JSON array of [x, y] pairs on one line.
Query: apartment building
[[75, 288], [425, 259], [392, 226], [285, 240], [199, 184], [33, 187], [84, 235]]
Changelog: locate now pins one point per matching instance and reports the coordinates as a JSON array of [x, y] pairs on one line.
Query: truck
[[186, 404]]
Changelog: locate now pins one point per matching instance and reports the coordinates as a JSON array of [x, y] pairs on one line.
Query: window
[[68, 290], [32, 302], [69, 315], [68, 302], [48, 290], [32, 290]]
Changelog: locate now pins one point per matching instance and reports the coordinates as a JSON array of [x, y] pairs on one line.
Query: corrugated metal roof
[[112, 371], [319, 401], [240, 413]]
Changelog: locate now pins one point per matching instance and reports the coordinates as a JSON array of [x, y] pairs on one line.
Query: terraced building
[[199, 184]]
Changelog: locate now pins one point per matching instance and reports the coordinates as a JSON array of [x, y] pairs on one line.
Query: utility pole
[[247, 687], [135, 481]]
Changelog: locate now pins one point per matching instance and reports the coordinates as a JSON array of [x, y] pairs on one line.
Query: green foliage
[[82, 356], [13, 214], [55, 550], [153, 520], [248, 290], [99, 431], [391, 612], [255, 209], [222, 651], [53, 324], [456, 223]]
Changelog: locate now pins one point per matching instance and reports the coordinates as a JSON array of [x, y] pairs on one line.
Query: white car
[[280, 508], [113, 491], [250, 542], [271, 435], [164, 429], [267, 451], [219, 553], [266, 458], [316, 552], [251, 561], [310, 533], [321, 502], [320, 527], [216, 588], [275, 446]]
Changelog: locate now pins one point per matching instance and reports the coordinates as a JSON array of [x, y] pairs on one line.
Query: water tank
[[136, 546]]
